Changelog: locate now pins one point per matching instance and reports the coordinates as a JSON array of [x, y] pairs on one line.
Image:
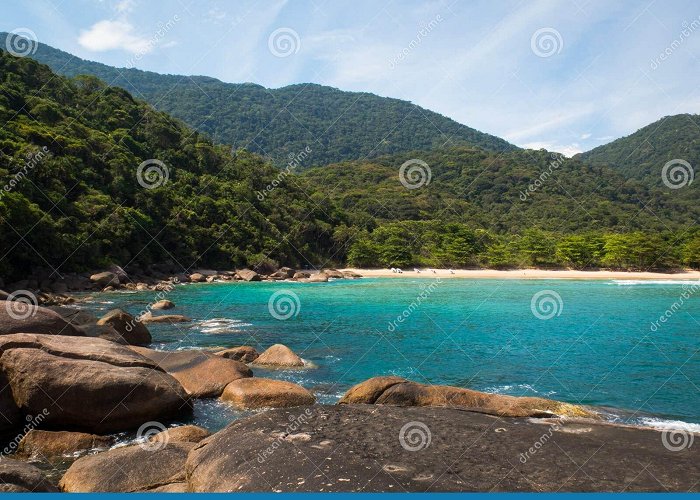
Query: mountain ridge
[[280, 122]]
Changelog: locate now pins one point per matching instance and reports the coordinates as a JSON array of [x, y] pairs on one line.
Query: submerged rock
[[384, 448], [251, 393], [54, 444], [279, 356], [202, 374], [163, 304], [164, 318], [401, 392], [140, 467], [21, 477], [87, 383]]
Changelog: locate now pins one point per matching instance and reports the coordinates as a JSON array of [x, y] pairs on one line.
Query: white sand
[[526, 274]]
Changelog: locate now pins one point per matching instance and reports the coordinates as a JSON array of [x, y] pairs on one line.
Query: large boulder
[[352, 448], [202, 374], [181, 434], [19, 317], [244, 353], [133, 332], [87, 383], [10, 414], [197, 278], [283, 273], [279, 356], [140, 467], [252, 393], [54, 444], [248, 275], [21, 477], [317, 278], [105, 279], [400, 392], [333, 273]]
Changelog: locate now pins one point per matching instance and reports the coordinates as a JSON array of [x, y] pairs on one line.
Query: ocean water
[[597, 343]]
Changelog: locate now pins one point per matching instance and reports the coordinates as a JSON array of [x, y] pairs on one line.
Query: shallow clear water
[[598, 348]]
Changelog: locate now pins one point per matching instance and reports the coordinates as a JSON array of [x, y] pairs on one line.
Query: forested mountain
[[336, 125], [82, 188], [77, 193], [469, 207], [643, 154]]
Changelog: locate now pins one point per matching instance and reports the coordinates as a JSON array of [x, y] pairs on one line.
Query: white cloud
[[114, 35]]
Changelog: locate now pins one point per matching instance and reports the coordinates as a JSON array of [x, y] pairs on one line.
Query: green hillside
[[643, 154], [336, 125], [70, 152]]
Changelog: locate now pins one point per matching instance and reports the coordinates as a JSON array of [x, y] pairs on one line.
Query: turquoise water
[[598, 348]]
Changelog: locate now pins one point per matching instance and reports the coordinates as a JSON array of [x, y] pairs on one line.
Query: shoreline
[[524, 274]]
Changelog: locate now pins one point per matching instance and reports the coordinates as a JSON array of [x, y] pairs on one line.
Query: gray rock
[[383, 448]]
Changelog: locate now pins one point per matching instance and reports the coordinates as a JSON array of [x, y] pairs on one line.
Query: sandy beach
[[525, 274]]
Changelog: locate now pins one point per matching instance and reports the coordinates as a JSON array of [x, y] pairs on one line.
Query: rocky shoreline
[[72, 381]]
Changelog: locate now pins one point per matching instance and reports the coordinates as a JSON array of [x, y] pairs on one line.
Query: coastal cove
[[598, 347]]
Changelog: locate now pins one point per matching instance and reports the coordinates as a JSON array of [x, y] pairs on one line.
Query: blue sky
[[565, 75]]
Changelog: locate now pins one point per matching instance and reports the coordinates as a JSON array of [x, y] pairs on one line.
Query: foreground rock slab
[[21, 477], [202, 374], [384, 448], [398, 391], [87, 384], [128, 469]]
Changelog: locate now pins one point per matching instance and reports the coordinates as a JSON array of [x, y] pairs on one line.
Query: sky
[[564, 75]]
